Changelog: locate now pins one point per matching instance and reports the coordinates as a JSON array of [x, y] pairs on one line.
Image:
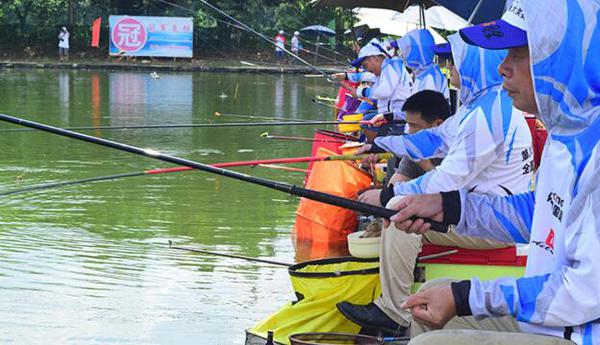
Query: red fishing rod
[[266, 135], [267, 163]]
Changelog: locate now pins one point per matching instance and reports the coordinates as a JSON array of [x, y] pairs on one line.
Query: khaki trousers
[[468, 331], [398, 257]]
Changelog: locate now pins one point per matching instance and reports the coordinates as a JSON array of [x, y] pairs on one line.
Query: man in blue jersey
[[391, 83], [552, 70]]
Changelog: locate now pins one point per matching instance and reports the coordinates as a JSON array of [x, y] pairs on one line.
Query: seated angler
[[392, 84], [552, 69], [481, 146], [417, 51]]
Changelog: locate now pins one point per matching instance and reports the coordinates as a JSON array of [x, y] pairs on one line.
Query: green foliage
[[35, 24]]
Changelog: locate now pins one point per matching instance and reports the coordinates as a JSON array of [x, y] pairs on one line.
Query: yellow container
[[348, 128]]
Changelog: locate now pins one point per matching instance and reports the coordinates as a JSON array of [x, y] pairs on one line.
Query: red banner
[[96, 32]]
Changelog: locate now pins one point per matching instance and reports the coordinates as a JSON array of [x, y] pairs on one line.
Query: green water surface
[[90, 264]]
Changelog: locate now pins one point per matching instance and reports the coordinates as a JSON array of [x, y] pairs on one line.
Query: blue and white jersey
[[360, 77], [391, 88], [486, 145], [417, 50], [561, 220]]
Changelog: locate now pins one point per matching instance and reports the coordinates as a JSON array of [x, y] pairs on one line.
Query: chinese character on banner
[[129, 35]]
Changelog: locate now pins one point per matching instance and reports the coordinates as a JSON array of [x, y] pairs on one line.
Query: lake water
[[90, 264]]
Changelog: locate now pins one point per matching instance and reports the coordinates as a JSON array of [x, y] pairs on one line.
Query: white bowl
[[364, 248]]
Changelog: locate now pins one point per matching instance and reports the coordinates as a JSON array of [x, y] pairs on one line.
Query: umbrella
[[476, 11], [364, 32], [389, 22], [318, 30], [397, 5], [436, 17]]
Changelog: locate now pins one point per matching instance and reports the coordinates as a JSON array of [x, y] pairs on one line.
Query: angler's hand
[[424, 205], [370, 160], [377, 120], [370, 197], [433, 307]]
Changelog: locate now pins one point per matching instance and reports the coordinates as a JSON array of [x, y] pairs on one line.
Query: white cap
[[296, 33], [366, 51], [281, 32]]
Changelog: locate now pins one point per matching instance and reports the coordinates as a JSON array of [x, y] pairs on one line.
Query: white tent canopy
[[436, 17], [398, 24]]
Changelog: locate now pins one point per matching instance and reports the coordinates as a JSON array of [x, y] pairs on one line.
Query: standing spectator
[[280, 44], [63, 44], [296, 46]]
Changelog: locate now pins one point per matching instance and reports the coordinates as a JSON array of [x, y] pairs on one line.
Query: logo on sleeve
[[547, 245], [556, 203]]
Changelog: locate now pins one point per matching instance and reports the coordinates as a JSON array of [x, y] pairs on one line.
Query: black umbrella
[[364, 33], [398, 5], [475, 11]]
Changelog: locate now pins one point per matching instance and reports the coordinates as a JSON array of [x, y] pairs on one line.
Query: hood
[[566, 67], [417, 48], [477, 67]]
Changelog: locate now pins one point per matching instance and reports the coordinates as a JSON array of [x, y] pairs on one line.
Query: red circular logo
[[129, 35]]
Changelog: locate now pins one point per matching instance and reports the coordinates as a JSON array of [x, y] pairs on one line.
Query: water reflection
[[294, 104], [75, 262], [278, 98], [64, 89]]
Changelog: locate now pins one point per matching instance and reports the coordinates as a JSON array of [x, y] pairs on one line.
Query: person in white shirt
[[296, 46], [63, 44]]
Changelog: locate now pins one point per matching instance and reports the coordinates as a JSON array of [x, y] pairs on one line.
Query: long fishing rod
[[323, 104], [158, 171], [207, 125], [257, 117], [201, 251], [266, 135], [248, 28], [280, 186], [345, 57]]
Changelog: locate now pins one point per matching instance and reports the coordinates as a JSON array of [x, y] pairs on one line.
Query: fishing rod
[[183, 168], [278, 263], [330, 199], [248, 28], [325, 104], [201, 251], [219, 114], [266, 135], [208, 125], [338, 108], [281, 167], [345, 57], [335, 61]]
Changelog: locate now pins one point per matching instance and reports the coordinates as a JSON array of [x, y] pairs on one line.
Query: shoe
[[371, 317]]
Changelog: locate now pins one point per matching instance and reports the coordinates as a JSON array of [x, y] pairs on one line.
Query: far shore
[[178, 65]]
